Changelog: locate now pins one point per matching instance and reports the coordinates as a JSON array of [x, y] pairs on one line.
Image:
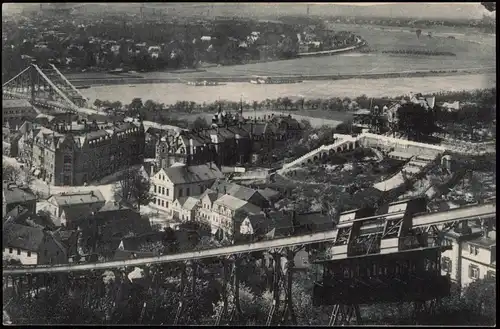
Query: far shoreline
[[132, 81]]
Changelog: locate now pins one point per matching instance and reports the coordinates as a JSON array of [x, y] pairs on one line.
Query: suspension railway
[[391, 225]]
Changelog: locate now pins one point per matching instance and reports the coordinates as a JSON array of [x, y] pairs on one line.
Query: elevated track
[[483, 211]]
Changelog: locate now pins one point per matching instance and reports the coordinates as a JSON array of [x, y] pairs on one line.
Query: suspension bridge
[[46, 87]]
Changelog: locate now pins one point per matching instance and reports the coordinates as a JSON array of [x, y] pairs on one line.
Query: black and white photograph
[[249, 163]]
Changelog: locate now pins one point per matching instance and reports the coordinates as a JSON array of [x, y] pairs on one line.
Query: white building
[[177, 182], [64, 206], [225, 211], [472, 257]]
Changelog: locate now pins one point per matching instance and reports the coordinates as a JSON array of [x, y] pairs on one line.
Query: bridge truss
[[395, 233], [46, 87]]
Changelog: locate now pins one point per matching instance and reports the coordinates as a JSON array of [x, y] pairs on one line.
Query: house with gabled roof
[[31, 245], [181, 181]]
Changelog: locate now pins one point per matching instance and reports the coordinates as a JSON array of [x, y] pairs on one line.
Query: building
[[16, 111], [68, 208], [185, 208], [181, 181], [241, 192], [230, 141], [22, 216], [228, 212], [473, 254], [13, 196], [78, 153], [32, 246]]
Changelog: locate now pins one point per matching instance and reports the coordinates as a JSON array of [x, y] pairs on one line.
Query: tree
[[135, 106], [11, 173], [133, 188], [199, 123], [416, 121], [306, 124], [98, 103]]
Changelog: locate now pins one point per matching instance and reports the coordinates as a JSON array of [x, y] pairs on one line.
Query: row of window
[[161, 190], [11, 250], [159, 202]]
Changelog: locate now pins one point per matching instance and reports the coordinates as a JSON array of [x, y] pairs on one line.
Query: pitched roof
[[269, 194], [68, 199], [241, 192], [22, 216], [23, 237], [230, 202], [74, 213], [250, 208], [189, 203], [212, 195], [193, 174], [13, 194]]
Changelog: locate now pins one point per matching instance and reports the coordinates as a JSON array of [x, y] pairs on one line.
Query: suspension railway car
[[413, 275]]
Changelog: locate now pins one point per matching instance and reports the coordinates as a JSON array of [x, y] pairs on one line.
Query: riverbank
[[246, 78]]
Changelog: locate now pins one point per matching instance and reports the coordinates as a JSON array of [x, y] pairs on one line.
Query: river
[[170, 93]]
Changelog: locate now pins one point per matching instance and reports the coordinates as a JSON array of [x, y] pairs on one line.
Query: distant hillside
[[415, 10]]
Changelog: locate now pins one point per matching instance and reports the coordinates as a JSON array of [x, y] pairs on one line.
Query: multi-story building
[[227, 142], [78, 153], [16, 111], [473, 254], [181, 181]]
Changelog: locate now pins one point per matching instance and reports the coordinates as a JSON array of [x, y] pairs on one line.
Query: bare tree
[[11, 173], [133, 188]]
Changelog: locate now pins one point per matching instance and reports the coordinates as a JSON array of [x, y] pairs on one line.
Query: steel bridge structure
[[401, 231], [47, 88]]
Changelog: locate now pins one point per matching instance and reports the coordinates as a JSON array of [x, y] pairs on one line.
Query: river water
[[170, 93]]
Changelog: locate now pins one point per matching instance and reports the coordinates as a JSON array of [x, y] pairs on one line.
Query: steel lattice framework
[[46, 87]]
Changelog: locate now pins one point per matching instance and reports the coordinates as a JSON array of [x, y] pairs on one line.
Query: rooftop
[[23, 237], [67, 199], [193, 174], [14, 194]]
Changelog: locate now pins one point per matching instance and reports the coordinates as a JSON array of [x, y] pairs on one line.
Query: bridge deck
[[485, 210]]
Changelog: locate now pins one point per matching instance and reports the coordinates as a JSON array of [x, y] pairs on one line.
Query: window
[[167, 192], [10, 250], [162, 203], [446, 264], [473, 272], [29, 253], [180, 192], [18, 251], [166, 204], [473, 250], [163, 190], [187, 191], [491, 275], [158, 201], [154, 188]]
